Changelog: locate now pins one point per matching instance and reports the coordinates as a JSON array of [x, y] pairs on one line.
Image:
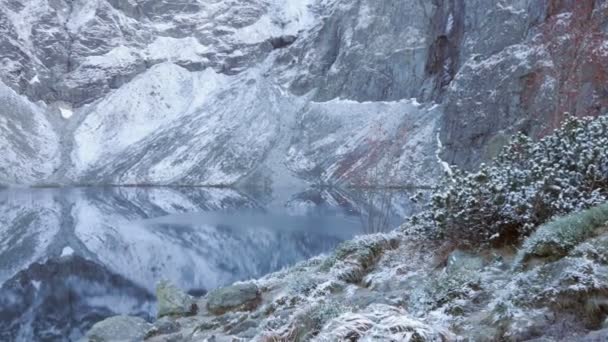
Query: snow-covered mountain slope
[[190, 128], [226, 92], [29, 146], [368, 143]]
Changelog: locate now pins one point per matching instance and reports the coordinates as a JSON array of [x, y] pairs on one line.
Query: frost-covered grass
[[352, 259], [558, 237], [379, 323], [526, 185]]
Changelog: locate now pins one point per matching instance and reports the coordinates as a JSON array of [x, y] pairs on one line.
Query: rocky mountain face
[[229, 92]]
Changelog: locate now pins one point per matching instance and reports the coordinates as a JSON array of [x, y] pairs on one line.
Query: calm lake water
[[72, 257]]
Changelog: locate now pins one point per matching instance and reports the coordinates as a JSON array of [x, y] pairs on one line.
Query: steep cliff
[[255, 91]]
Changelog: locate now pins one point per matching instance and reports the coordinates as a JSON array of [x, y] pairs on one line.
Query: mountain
[[235, 92]]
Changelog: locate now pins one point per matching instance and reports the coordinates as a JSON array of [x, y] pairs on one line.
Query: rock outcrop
[[244, 296], [173, 302], [119, 328]]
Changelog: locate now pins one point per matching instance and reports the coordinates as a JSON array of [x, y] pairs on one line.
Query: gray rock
[[245, 296], [174, 302], [367, 51], [164, 326], [517, 63], [119, 329], [244, 326]]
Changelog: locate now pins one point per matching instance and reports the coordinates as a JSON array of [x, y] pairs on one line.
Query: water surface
[[71, 257]]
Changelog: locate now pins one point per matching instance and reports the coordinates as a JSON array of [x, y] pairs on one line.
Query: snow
[[450, 24], [226, 123], [169, 125], [29, 146], [284, 17], [34, 80], [520, 52], [67, 251], [83, 12], [25, 19], [263, 29], [36, 284], [176, 49], [66, 110], [364, 20], [119, 56], [341, 133], [446, 167], [511, 8], [603, 48], [153, 100]]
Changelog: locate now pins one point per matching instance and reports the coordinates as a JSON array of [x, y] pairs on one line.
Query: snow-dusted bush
[[526, 185]]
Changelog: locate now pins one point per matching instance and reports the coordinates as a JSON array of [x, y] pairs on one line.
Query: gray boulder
[[244, 296], [173, 301], [119, 329]]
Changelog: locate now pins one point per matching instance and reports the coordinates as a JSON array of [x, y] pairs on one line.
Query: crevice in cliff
[[282, 42], [447, 31], [71, 39], [54, 94]]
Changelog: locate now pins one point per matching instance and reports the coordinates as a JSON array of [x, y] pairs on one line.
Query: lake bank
[[398, 287]]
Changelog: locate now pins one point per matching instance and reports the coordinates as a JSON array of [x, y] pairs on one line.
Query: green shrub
[[525, 186]]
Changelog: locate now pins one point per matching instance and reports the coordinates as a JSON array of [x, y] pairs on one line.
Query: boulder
[[245, 296], [119, 329], [174, 302]]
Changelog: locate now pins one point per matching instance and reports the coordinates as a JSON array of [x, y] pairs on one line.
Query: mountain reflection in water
[[71, 257]]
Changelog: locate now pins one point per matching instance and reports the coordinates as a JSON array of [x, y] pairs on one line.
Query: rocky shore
[[397, 287]]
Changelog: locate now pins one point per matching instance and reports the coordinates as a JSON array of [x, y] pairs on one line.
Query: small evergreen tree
[[526, 185]]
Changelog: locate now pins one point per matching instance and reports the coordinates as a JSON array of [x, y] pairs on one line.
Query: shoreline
[[395, 287]]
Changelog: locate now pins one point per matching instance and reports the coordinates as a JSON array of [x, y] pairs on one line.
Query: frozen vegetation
[[517, 251]]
